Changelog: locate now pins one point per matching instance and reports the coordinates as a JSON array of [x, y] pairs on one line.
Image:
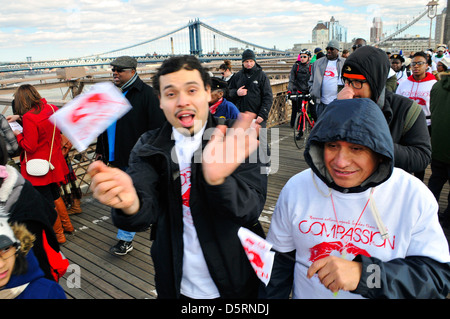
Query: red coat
[[36, 140]]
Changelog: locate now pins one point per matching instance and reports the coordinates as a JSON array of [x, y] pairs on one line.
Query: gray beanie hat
[[333, 44]]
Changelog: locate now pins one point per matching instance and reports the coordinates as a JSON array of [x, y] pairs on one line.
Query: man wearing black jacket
[[115, 144], [250, 90], [195, 202], [364, 74]]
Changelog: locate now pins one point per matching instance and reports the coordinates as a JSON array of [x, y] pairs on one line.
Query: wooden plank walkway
[[102, 275]]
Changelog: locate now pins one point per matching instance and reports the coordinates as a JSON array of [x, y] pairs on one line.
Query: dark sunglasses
[[356, 46], [304, 56], [120, 70], [330, 49]]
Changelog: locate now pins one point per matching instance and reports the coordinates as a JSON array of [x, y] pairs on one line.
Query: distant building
[[408, 44], [320, 35], [440, 26], [336, 31], [376, 31]]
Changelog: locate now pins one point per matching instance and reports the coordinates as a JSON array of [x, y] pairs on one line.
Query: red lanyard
[[364, 209]]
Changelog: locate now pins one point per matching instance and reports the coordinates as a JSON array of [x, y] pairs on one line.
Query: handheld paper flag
[[89, 114], [258, 252]]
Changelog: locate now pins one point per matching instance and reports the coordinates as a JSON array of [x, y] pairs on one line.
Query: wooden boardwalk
[[97, 274]]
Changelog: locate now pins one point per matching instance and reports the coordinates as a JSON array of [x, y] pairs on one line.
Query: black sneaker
[[299, 136], [121, 248]]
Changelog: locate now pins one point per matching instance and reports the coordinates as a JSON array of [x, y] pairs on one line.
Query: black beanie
[[248, 55], [373, 64]]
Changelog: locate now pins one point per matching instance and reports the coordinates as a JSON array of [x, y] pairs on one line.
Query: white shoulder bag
[[40, 167]]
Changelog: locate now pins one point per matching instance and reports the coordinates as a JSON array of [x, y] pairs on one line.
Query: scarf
[[12, 293], [213, 108], [130, 82]]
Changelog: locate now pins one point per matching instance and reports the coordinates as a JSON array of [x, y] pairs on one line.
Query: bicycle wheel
[[299, 133], [306, 132]]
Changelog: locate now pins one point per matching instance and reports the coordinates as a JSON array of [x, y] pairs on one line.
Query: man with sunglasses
[[326, 77], [365, 75], [115, 144]]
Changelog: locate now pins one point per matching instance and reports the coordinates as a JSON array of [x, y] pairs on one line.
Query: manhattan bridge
[[196, 38]]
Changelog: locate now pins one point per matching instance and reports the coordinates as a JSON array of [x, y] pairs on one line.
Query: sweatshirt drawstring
[[317, 186], [376, 215]]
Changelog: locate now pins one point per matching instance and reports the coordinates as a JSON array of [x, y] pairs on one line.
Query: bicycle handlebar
[[300, 95]]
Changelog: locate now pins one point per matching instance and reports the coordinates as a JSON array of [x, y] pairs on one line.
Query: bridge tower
[[195, 39]]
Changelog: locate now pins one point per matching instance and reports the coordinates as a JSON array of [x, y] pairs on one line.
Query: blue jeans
[[320, 108], [122, 234], [125, 235]]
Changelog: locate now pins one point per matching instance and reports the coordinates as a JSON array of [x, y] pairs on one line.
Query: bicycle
[[301, 131]]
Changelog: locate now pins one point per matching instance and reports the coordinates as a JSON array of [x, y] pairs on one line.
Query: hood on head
[[358, 121], [374, 64]]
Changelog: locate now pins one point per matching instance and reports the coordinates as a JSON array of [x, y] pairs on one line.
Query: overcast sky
[[55, 29]]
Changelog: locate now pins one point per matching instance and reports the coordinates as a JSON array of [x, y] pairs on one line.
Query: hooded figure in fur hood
[[20, 275], [407, 124], [353, 212], [21, 203]]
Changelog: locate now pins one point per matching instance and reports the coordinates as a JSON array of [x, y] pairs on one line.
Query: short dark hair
[[174, 64], [421, 54]]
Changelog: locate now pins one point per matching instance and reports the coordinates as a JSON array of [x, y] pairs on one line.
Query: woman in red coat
[[36, 142]]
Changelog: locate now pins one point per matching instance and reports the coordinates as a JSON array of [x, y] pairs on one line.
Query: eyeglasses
[[7, 252], [356, 46], [417, 63], [304, 56], [330, 49], [357, 84], [120, 70]]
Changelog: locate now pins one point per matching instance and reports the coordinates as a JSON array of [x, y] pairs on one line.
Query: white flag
[[258, 253], [88, 115]]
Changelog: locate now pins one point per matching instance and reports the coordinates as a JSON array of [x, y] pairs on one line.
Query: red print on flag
[[325, 249], [258, 253], [88, 115]]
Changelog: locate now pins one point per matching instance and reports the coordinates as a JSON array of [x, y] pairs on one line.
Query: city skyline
[[50, 30]]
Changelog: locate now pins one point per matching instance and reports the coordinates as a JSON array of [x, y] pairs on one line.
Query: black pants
[[50, 192], [440, 174]]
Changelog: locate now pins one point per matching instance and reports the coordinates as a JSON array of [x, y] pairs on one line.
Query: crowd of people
[[166, 165]]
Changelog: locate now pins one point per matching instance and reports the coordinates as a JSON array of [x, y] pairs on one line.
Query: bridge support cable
[[396, 33]]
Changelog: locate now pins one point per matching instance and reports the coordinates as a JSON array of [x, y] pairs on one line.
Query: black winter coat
[[145, 115], [259, 96], [218, 213], [299, 77]]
